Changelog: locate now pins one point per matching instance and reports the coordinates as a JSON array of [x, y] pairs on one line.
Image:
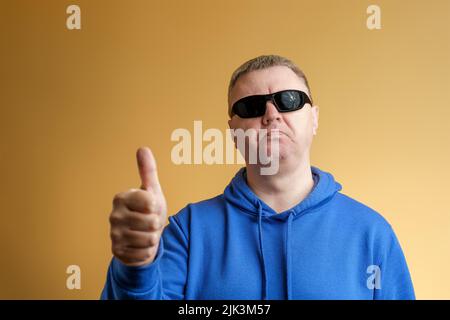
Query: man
[[288, 235]]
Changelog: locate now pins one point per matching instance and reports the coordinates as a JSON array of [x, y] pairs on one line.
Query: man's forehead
[[266, 81]]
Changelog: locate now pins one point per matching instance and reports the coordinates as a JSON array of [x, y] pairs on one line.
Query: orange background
[[76, 104]]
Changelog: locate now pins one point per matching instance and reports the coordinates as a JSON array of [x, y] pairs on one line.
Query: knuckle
[[127, 235], [153, 239], [118, 199], [146, 254], [114, 218], [115, 235], [154, 222], [141, 201], [117, 250], [148, 202]]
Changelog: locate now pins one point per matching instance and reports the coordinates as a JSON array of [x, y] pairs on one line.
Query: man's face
[[296, 128]]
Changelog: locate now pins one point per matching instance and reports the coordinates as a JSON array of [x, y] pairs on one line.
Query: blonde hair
[[264, 62]]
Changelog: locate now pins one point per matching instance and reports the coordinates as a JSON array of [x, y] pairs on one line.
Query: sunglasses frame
[[271, 97]]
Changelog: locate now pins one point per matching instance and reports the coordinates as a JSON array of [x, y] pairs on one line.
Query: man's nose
[[271, 114]]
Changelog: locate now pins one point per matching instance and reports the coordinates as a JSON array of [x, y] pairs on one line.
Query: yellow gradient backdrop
[[75, 105]]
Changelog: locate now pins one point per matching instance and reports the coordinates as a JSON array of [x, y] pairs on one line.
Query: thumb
[[147, 169]]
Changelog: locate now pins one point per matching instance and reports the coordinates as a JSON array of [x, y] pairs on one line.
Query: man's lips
[[274, 133]]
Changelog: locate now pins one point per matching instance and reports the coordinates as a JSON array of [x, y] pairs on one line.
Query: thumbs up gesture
[[138, 216]]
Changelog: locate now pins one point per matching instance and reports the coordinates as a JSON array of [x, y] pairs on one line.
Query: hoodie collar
[[240, 195]]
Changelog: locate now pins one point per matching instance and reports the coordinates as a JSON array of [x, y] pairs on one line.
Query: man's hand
[[138, 216]]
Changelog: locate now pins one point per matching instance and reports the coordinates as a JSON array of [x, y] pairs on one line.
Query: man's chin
[[282, 153]]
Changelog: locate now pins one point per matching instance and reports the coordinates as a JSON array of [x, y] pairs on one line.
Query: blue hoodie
[[234, 246]]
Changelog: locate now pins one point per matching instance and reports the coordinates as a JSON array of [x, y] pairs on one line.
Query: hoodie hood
[[239, 194]]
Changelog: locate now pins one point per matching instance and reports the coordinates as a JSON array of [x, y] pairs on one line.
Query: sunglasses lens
[[289, 100], [250, 107]]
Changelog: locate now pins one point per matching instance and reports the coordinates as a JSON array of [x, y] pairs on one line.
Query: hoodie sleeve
[[395, 279], [163, 279]]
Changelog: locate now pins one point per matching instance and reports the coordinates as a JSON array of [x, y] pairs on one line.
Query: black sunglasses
[[284, 101]]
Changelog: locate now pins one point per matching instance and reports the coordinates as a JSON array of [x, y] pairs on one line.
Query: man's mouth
[[274, 132]]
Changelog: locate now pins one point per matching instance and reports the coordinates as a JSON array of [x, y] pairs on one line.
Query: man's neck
[[283, 190]]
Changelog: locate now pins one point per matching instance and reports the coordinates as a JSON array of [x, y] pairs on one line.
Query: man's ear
[[315, 115]]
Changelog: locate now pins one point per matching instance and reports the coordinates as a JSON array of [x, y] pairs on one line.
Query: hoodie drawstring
[[289, 256], [261, 248]]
